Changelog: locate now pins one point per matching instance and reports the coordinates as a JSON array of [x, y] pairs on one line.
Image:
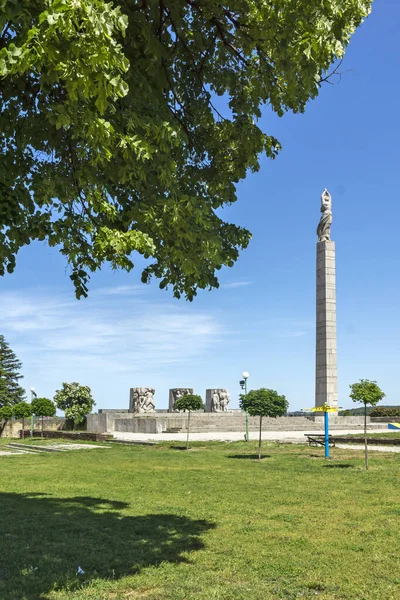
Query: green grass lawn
[[159, 523]]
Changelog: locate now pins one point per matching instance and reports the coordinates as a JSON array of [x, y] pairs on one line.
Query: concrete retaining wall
[[138, 425], [14, 426], [346, 421], [208, 422]]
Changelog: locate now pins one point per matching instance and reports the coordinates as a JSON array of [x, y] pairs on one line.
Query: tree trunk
[[259, 441], [187, 439], [365, 436], [23, 428]]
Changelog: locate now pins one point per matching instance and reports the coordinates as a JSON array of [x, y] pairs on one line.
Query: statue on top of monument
[[141, 400], [217, 400], [324, 225]]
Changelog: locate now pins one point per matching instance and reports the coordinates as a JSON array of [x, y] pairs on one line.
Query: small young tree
[[43, 407], [23, 411], [75, 400], [189, 402], [263, 403], [368, 392], [10, 391], [6, 413]]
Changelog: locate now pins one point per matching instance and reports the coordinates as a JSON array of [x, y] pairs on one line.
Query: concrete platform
[[200, 422], [291, 436]]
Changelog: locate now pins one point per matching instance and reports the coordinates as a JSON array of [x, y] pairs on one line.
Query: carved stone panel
[[141, 400], [217, 400], [176, 393]]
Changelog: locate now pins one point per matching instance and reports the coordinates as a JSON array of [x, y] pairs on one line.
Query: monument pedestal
[[326, 359]]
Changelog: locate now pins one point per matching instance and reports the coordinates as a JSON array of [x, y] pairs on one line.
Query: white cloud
[[111, 331], [121, 290], [290, 333], [287, 327], [235, 284]]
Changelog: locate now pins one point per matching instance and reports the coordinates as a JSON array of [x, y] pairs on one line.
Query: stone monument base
[[201, 422]]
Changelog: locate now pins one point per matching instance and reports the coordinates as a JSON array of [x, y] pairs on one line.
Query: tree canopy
[[366, 391], [22, 410], [264, 403], [75, 400], [43, 407], [6, 412], [189, 402], [126, 124]]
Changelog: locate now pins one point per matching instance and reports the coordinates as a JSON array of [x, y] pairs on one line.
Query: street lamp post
[[243, 384], [33, 395]]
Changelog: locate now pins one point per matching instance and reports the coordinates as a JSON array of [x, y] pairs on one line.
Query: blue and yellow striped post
[[326, 423]]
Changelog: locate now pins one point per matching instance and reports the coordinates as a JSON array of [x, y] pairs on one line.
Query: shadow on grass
[[45, 540], [338, 466], [249, 456]]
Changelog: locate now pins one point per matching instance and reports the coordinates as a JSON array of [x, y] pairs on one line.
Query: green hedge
[[385, 411]]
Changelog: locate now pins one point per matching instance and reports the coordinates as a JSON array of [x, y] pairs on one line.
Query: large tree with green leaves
[[367, 392], [10, 391], [75, 400], [126, 124]]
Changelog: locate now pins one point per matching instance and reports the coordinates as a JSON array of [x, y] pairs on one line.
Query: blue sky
[[262, 319]]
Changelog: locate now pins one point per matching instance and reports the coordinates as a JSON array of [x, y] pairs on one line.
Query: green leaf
[[112, 142]]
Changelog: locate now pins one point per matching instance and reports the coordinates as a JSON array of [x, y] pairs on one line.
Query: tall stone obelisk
[[326, 360]]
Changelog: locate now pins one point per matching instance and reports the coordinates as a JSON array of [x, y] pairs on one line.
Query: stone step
[[22, 451], [133, 442], [242, 427], [31, 448]]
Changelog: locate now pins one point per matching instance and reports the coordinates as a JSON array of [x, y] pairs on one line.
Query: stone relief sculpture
[[176, 393], [141, 400], [217, 400], [215, 406], [324, 225], [224, 399]]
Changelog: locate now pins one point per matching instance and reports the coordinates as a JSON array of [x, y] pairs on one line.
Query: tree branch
[[197, 69], [333, 73]]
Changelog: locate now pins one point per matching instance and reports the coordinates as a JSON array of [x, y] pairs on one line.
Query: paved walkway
[[229, 436], [36, 449], [75, 446], [371, 448]]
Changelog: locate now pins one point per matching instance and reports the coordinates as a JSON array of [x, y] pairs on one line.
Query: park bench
[[318, 440]]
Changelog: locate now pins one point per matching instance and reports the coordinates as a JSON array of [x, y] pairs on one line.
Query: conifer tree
[[10, 391]]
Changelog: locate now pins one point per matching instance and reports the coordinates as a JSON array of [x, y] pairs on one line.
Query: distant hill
[[356, 412]]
